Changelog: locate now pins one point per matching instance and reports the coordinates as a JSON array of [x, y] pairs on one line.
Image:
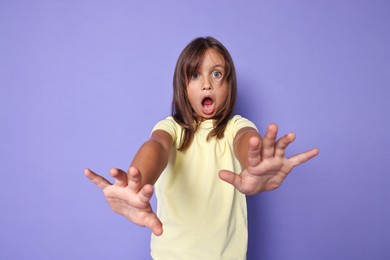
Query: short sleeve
[[238, 122], [170, 126]]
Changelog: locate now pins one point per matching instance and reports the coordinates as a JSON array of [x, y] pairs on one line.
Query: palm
[[127, 203], [128, 198], [266, 176], [267, 164]]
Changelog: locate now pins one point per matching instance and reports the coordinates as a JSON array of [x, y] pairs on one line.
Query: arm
[[152, 158], [131, 192], [241, 144], [264, 163]]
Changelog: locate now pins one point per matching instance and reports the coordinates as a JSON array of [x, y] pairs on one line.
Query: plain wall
[[82, 83]]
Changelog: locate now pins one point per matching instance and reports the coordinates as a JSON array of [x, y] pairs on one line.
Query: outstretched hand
[[128, 198], [267, 165]]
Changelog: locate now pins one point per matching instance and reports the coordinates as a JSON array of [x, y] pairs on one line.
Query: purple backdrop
[[83, 82]]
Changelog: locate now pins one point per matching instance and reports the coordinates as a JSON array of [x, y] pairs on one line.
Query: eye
[[216, 74], [195, 75]]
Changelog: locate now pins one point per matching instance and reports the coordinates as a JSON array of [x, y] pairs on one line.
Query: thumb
[[155, 225], [231, 177]]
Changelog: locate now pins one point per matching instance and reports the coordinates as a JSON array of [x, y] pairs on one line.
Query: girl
[[202, 161]]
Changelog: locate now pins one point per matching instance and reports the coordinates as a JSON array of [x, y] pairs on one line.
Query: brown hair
[[188, 63]]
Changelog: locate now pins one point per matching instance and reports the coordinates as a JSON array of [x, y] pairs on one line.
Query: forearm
[[241, 144], [152, 158]]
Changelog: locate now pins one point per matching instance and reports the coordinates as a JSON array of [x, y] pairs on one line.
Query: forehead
[[213, 58]]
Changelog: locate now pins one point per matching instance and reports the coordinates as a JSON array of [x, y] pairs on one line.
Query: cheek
[[224, 92], [189, 93], [191, 97], [218, 82], [224, 98]]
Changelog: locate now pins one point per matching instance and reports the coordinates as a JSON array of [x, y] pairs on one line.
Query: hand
[[127, 198], [267, 165]]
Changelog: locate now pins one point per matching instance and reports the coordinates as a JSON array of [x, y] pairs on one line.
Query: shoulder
[[170, 126], [238, 122]]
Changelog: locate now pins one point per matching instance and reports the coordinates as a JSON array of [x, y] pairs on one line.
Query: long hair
[[188, 63]]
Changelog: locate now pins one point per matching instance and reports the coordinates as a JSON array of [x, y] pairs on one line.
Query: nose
[[206, 84]]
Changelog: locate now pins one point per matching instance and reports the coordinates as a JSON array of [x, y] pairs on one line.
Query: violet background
[[83, 82]]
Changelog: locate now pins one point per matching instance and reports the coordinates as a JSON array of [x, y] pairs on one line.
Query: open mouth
[[208, 105], [207, 102]]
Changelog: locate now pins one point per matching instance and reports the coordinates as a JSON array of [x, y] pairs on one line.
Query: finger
[[97, 179], [269, 141], [134, 179], [154, 223], [146, 193], [303, 157], [232, 178], [141, 199], [282, 143], [120, 177], [254, 150]]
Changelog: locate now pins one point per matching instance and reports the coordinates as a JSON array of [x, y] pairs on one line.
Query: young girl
[[202, 161]]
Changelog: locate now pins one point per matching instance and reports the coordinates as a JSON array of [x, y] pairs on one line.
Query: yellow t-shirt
[[203, 217]]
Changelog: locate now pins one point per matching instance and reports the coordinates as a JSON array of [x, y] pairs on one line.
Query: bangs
[[193, 62]]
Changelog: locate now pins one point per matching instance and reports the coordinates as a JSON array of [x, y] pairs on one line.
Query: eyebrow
[[217, 65]]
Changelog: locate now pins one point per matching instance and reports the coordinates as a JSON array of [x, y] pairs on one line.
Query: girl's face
[[207, 90]]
